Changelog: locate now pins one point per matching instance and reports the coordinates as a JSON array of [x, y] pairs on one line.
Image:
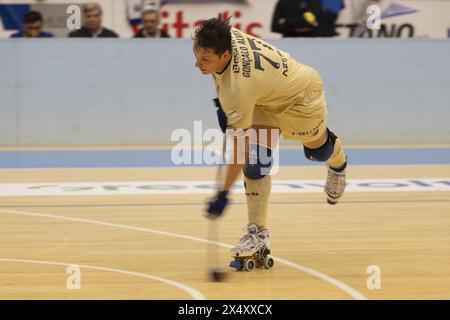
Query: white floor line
[[334, 282], [191, 291]]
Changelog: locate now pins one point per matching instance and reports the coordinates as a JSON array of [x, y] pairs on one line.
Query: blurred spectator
[[92, 14], [33, 24], [331, 9], [150, 24], [306, 18]]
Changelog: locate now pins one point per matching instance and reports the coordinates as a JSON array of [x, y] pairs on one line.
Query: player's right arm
[[237, 120], [217, 205], [238, 159], [239, 111]]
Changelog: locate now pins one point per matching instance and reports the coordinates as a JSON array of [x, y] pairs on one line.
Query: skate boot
[[253, 250], [335, 184]]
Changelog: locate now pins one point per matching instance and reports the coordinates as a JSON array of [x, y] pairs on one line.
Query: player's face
[[208, 62]]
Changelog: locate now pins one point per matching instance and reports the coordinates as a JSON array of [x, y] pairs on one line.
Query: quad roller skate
[[253, 251]]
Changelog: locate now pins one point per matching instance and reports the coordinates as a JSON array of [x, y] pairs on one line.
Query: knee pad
[[259, 162], [324, 152]]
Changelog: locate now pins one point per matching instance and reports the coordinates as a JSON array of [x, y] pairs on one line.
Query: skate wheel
[[236, 264], [268, 262], [249, 265]]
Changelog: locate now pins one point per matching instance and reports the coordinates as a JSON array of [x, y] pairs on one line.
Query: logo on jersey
[[234, 116], [309, 133]]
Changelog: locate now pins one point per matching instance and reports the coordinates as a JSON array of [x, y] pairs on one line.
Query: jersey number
[[258, 56]]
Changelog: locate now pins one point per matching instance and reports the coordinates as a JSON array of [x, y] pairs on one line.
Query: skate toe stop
[[332, 202]]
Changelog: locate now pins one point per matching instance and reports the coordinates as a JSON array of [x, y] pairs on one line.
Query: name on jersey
[[241, 52]]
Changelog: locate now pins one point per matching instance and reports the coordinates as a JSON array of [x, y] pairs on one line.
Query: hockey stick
[[215, 273]]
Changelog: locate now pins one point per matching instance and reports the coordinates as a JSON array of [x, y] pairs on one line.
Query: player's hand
[[221, 116], [217, 205]]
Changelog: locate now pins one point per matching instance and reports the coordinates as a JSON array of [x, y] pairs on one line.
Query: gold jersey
[[259, 75]]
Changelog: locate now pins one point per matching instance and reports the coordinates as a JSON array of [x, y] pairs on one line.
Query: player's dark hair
[[32, 16], [214, 34]]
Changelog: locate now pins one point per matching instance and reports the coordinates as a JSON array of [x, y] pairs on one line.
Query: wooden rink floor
[[153, 246]]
